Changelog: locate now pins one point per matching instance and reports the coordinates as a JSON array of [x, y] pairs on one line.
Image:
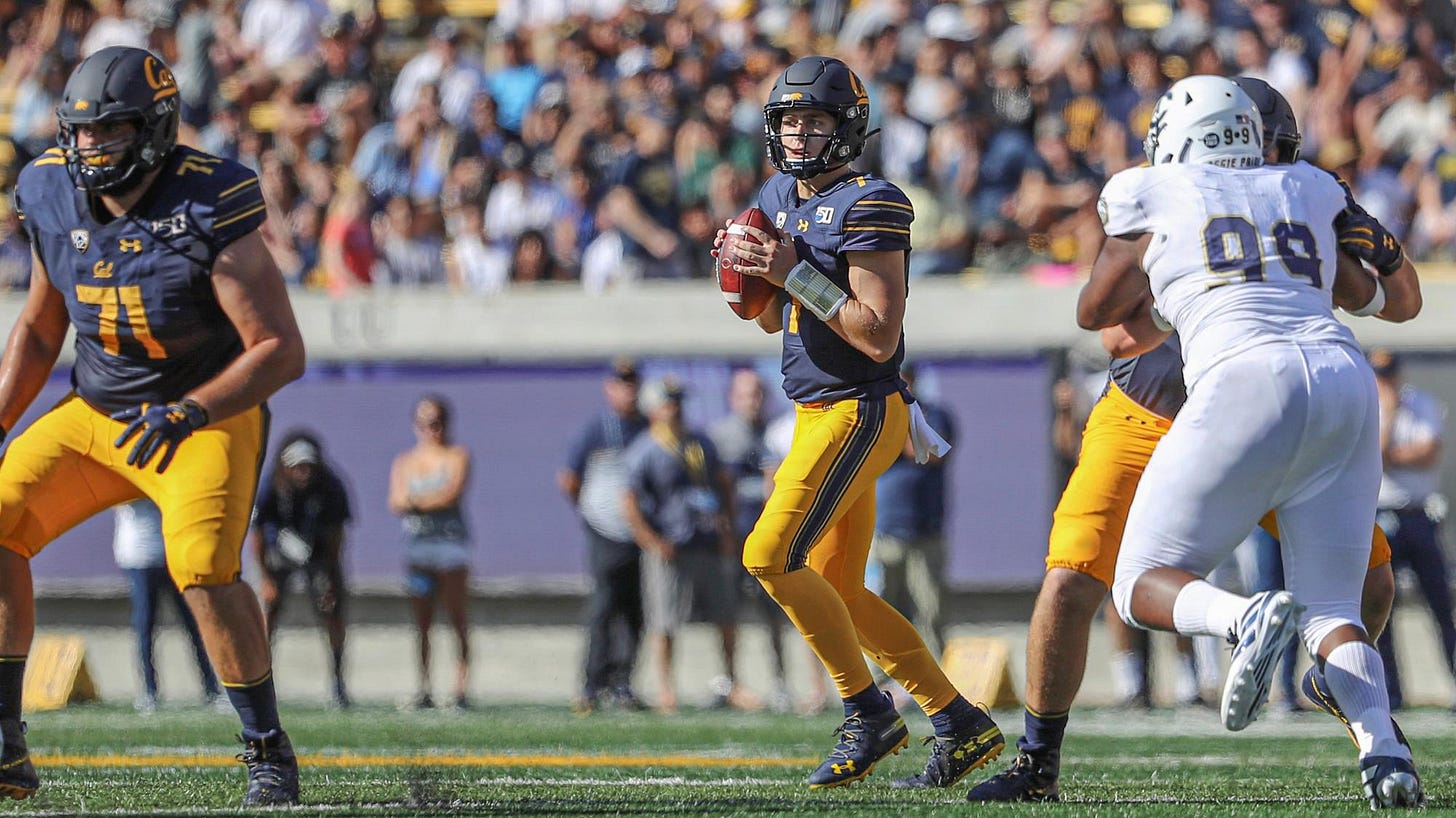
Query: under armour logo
[[847, 767]]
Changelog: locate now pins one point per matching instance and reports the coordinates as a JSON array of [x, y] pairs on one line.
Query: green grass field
[[540, 760]]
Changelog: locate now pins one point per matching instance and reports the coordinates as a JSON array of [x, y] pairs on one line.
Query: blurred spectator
[[458, 78], [347, 252], [519, 200], [940, 232], [14, 251], [593, 480], [678, 505], [643, 197], [471, 264], [1190, 25], [298, 532], [909, 542], [410, 250], [513, 79], [141, 554], [278, 32], [1434, 233], [739, 438], [1406, 120], [531, 259], [223, 133], [113, 26], [1056, 196], [904, 140], [196, 73], [33, 113], [426, 488], [1410, 509]]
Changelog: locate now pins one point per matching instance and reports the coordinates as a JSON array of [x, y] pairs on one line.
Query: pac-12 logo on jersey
[[781, 219], [81, 240], [823, 215]]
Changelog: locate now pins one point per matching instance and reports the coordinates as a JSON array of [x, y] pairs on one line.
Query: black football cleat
[[863, 742], [1391, 783], [18, 778], [1027, 779], [272, 770], [953, 757]]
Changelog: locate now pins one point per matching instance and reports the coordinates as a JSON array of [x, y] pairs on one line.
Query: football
[[747, 295]]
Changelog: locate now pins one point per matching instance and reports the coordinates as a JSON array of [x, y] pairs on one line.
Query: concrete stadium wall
[[524, 369]]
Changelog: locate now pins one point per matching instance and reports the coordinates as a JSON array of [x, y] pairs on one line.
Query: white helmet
[[1205, 120]]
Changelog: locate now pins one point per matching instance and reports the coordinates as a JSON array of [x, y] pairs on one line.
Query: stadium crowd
[[604, 142]]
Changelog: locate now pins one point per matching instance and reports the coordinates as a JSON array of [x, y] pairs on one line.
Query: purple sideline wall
[[517, 420]]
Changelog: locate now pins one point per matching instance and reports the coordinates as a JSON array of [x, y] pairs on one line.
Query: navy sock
[[955, 718], [868, 702], [257, 706], [1044, 733], [12, 681]]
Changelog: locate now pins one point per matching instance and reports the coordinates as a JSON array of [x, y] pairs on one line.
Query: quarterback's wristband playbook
[[815, 291], [1377, 302]]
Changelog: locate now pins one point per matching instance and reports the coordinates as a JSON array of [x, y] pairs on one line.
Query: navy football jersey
[[139, 287], [859, 212], [1153, 379]]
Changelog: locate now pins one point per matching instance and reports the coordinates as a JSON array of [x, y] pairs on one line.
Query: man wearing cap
[[678, 500], [1409, 509], [592, 481], [458, 77], [298, 530]]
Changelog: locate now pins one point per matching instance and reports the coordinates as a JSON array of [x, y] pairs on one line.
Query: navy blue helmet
[[826, 84], [1280, 129], [118, 84]]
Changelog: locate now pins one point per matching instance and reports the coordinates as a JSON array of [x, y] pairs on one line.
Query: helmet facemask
[[836, 146]]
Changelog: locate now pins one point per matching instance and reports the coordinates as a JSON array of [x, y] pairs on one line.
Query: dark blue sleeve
[[878, 220], [587, 438]]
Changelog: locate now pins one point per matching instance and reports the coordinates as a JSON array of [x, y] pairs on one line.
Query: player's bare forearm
[[251, 292], [1117, 285], [251, 378], [1134, 336], [35, 343], [448, 495], [771, 320], [871, 320], [1403, 300]]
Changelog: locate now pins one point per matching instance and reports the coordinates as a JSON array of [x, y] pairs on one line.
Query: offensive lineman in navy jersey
[[183, 329], [840, 255]]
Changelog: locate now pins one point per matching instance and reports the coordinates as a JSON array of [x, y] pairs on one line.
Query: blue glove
[[163, 427], [1364, 237]]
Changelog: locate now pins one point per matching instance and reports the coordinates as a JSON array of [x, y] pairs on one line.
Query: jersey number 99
[[1231, 244]]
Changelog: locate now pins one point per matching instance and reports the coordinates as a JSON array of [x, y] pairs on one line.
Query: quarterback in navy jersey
[[183, 330], [839, 255]]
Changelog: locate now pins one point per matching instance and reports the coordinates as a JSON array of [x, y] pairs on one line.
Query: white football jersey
[[1239, 257]]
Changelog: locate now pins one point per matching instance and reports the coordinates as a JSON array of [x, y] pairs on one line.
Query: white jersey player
[[1281, 413]]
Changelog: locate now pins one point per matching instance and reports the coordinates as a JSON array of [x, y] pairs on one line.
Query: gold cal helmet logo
[[160, 78]]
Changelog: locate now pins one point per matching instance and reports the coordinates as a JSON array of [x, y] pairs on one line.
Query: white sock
[[1204, 610], [1356, 677], [1127, 674]]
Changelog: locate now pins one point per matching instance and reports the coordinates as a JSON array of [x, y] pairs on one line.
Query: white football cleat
[[1271, 620]]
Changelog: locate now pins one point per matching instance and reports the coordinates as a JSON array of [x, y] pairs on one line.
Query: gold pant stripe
[[869, 423]]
